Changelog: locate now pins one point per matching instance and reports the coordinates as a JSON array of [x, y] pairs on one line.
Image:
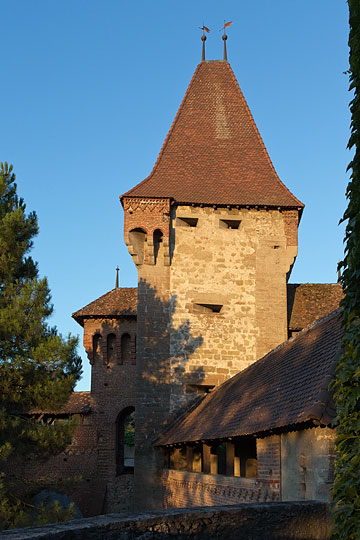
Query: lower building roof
[[78, 403], [285, 389]]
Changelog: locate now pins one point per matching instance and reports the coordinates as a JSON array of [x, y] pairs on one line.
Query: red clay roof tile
[[310, 301], [213, 153], [119, 302], [78, 403]]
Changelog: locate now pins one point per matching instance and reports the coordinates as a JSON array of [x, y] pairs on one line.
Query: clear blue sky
[[89, 89]]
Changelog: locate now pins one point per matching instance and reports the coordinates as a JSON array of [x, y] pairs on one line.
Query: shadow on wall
[[166, 350], [163, 376]]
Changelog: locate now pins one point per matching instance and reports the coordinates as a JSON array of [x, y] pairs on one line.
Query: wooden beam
[[189, 457], [230, 454], [206, 458]]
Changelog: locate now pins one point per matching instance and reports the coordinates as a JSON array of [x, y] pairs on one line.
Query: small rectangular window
[[207, 308], [186, 222], [229, 223]]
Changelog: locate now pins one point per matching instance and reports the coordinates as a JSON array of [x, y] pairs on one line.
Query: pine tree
[[38, 367]]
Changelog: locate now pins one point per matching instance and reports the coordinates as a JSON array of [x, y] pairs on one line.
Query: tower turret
[[213, 233]]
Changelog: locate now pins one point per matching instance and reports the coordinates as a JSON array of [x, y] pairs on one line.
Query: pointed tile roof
[[119, 302], [213, 153], [284, 390]]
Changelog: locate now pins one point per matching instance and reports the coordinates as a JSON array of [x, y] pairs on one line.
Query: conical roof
[[213, 153]]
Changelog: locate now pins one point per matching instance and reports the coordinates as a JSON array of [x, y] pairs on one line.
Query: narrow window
[[125, 349], [186, 222], [125, 441], [111, 348], [157, 238], [96, 347], [229, 223], [207, 308]]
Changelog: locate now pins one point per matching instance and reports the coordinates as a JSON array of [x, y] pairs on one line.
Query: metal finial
[[224, 36], [117, 278], [203, 39]]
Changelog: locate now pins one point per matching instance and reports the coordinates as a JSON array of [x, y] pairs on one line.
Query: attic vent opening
[[229, 223], [186, 222], [207, 308]]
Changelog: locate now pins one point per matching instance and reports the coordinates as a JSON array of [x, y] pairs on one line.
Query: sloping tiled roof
[[307, 302], [119, 302], [78, 403], [213, 153], [288, 386]]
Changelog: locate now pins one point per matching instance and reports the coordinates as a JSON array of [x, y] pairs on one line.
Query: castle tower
[[109, 324], [213, 233]]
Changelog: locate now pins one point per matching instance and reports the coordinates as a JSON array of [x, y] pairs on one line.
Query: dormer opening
[[137, 239]]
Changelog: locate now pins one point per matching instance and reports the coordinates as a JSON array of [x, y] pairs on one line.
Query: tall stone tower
[[213, 233]]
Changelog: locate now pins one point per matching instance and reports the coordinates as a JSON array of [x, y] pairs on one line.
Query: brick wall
[[183, 488], [186, 489]]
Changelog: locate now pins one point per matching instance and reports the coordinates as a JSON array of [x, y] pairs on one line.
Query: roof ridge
[[251, 117]]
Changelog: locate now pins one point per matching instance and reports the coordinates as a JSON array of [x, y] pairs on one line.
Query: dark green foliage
[[38, 368], [129, 429], [346, 489]]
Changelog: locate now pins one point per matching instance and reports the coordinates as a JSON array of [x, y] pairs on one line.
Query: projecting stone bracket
[[144, 250]]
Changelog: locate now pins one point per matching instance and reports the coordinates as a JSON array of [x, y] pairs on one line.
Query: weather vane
[[203, 39], [226, 24]]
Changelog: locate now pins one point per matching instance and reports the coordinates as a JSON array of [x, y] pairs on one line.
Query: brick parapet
[[186, 489]]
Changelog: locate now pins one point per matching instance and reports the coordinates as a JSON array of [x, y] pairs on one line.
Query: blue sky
[[90, 88]]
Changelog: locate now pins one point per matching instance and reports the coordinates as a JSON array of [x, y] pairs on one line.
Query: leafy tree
[[346, 488], [38, 368]]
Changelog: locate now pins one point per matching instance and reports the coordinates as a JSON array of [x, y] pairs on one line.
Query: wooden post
[[230, 454], [189, 457], [206, 458], [176, 459]]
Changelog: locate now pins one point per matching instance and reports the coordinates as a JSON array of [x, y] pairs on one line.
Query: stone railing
[[308, 520]]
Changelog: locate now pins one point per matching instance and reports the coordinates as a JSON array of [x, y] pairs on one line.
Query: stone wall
[[211, 301], [271, 521], [228, 283], [307, 464]]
